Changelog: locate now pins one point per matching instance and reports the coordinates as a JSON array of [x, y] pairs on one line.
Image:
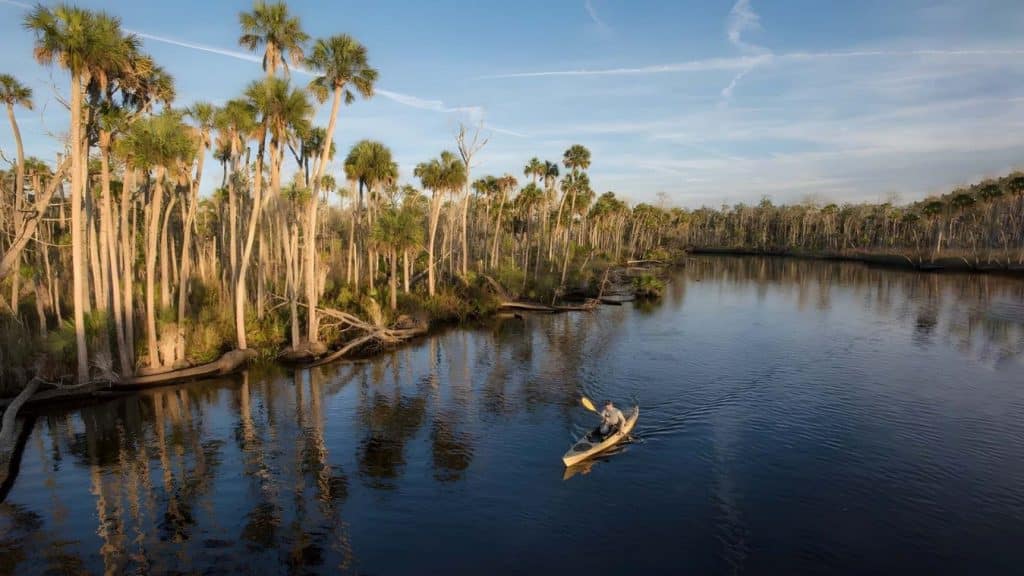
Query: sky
[[708, 102]]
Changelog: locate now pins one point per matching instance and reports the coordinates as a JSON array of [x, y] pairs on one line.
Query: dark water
[[796, 417]]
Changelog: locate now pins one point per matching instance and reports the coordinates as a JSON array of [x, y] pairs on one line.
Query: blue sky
[[709, 102]]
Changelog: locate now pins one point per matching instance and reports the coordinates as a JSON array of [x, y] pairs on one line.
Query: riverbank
[[948, 263], [615, 286]]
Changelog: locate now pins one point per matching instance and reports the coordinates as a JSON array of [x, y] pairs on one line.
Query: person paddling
[[612, 419]]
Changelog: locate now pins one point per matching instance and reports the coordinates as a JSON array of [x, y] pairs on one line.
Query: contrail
[[740, 63], [202, 47], [397, 97]]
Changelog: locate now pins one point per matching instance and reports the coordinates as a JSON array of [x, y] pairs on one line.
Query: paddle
[[588, 404]]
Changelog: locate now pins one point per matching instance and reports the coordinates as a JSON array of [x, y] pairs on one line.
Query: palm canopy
[[370, 163], [234, 122], [607, 204], [533, 168], [136, 84], [81, 41], [486, 186], [507, 183], [550, 172], [342, 64], [162, 140], [14, 93], [203, 113], [313, 143], [397, 228], [279, 109], [529, 197], [577, 157], [446, 174], [270, 26]]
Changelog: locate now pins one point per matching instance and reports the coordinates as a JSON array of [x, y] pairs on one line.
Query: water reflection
[[334, 469], [981, 314]]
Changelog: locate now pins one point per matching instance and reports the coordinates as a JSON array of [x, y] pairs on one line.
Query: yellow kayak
[[584, 448]]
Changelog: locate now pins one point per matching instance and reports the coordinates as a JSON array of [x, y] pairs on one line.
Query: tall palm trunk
[[405, 270], [107, 224], [312, 297], [291, 253], [435, 214], [568, 237], [152, 236], [393, 278], [128, 223], [98, 276], [250, 238], [19, 197], [188, 223], [233, 214], [77, 256], [165, 257], [497, 231]]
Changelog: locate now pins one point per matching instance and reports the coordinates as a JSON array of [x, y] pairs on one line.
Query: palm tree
[[234, 122], [280, 112], [342, 64], [203, 114], [395, 231], [506, 184], [534, 169], [14, 93], [440, 176], [84, 43], [576, 158], [157, 144], [280, 34], [370, 164], [413, 211], [529, 198]]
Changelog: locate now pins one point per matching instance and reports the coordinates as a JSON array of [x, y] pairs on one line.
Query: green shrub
[[648, 286]]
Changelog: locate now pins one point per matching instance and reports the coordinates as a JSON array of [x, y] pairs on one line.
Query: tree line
[[113, 259], [982, 224]]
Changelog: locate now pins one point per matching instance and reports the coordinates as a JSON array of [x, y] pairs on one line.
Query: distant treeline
[[982, 224]]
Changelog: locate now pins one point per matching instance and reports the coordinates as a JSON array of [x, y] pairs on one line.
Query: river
[[796, 416]]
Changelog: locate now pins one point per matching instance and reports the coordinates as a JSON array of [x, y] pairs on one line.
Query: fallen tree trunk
[[534, 307], [529, 306], [226, 364], [11, 413], [9, 459], [384, 336]]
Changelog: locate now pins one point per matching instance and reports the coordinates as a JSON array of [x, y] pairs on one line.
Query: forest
[[116, 267]]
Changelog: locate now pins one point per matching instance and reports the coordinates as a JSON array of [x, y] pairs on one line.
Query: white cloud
[[592, 12], [742, 18]]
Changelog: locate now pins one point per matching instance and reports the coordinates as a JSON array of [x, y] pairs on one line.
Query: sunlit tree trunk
[[152, 236], [77, 257]]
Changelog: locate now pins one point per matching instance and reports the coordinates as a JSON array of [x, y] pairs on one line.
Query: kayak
[[586, 447]]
